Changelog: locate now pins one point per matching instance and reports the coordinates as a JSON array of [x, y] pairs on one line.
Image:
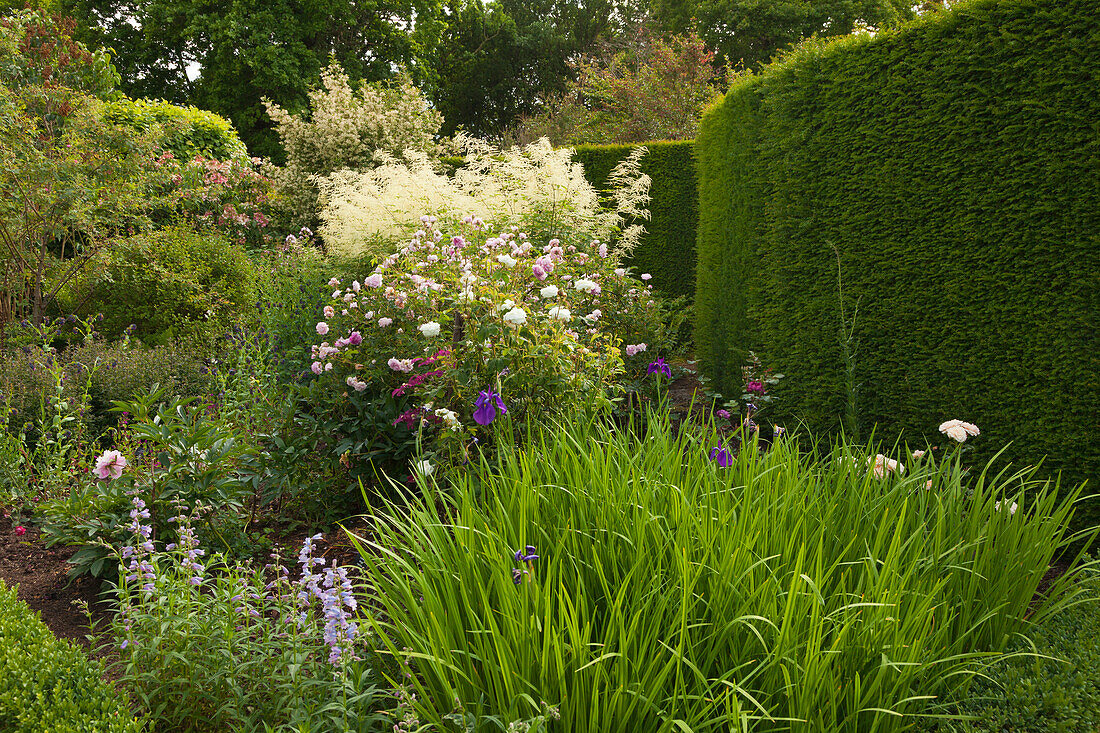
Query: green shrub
[[183, 131], [947, 173], [667, 249], [169, 284], [671, 593], [106, 371], [47, 684]]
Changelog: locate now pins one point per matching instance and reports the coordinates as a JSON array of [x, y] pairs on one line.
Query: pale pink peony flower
[[110, 464], [322, 328], [884, 465], [646, 276], [317, 368], [329, 311], [383, 321], [958, 430], [632, 349], [374, 281], [400, 365]]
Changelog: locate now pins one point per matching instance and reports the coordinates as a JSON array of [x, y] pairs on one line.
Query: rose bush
[[448, 323]]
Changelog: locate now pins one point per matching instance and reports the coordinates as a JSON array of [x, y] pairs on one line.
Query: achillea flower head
[[958, 430]]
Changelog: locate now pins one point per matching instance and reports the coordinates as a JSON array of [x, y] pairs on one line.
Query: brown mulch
[[41, 574]]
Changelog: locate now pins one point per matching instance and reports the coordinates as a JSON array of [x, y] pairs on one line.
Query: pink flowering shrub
[[450, 315], [228, 197]]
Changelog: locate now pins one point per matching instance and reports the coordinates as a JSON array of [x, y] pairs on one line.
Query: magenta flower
[[723, 414], [659, 367], [355, 338], [20, 531], [756, 387], [110, 464], [484, 410]]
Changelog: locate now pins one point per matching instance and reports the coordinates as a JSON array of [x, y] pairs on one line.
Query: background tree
[[652, 89], [501, 60], [225, 56], [751, 32]]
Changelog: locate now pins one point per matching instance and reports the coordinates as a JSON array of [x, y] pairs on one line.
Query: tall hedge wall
[[952, 170], [667, 249]]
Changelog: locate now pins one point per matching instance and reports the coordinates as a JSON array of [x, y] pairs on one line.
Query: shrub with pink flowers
[[228, 197], [451, 315]]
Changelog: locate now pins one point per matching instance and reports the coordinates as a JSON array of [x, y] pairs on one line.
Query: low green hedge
[[47, 684]]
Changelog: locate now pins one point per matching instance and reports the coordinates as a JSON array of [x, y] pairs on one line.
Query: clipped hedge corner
[[47, 684]]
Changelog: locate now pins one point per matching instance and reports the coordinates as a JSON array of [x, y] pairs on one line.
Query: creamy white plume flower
[[550, 291], [560, 313], [515, 317], [429, 329], [959, 430]]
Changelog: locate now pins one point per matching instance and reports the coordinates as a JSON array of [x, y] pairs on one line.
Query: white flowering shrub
[[347, 129], [538, 188], [466, 327]]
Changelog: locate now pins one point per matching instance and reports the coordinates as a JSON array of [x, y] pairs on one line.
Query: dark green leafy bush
[[50, 685], [169, 284], [108, 371], [947, 172]]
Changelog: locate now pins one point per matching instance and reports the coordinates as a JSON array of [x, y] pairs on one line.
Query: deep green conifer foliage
[[949, 172]]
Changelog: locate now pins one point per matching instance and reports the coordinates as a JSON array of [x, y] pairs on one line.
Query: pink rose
[[316, 367], [20, 531], [110, 464], [322, 328]]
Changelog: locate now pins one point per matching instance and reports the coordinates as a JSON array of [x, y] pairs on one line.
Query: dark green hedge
[[954, 165], [667, 249], [50, 685], [184, 131]]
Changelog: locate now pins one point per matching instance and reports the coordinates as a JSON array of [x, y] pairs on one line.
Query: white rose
[[515, 317], [586, 286], [507, 260], [429, 329], [550, 291], [560, 313]]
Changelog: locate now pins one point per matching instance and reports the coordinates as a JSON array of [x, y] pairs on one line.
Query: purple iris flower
[[659, 366], [527, 554], [485, 407], [722, 456]]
